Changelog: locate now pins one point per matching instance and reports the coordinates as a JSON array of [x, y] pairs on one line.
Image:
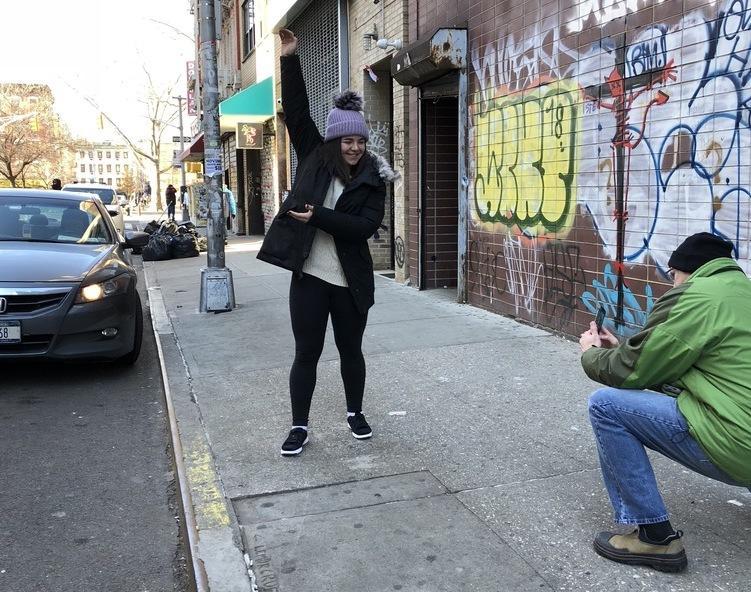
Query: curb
[[218, 561]]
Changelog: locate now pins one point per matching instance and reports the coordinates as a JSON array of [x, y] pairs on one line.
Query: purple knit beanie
[[346, 118]]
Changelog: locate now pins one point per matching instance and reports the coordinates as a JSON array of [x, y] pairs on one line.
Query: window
[[125, 155], [126, 168], [99, 154], [82, 180], [101, 168], [249, 35], [109, 154], [109, 168], [101, 180], [83, 154], [117, 168], [91, 155], [117, 155], [91, 168], [109, 180], [83, 168]]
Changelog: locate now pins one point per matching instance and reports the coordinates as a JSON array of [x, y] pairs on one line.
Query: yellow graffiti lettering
[[526, 159]]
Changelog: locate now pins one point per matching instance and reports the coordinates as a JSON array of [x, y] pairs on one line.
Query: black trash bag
[[184, 245], [158, 249], [151, 227]]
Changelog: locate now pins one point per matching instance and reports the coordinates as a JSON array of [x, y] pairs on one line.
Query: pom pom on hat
[[346, 118], [349, 100]]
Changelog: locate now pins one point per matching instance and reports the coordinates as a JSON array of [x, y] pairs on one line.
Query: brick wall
[[601, 134], [386, 113], [377, 96]]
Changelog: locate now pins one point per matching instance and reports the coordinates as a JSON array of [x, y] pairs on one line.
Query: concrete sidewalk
[[482, 474]]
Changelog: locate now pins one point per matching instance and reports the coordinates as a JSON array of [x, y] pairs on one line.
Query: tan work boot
[[630, 549]]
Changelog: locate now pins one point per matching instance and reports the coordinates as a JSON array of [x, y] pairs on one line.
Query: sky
[[99, 49]]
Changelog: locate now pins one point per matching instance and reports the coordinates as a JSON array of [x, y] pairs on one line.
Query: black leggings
[[311, 300]]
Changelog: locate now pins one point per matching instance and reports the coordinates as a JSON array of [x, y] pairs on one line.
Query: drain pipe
[[462, 189]]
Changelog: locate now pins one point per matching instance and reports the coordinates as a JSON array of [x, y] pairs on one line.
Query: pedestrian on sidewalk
[[146, 195], [170, 196], [231, 209], [694, 356], [321, 234]]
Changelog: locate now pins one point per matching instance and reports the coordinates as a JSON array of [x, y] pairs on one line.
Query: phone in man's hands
[[600, 318]]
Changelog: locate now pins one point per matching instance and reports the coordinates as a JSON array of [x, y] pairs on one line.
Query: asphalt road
[[88, 498]]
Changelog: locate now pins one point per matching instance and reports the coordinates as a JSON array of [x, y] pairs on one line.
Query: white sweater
[[323, 261]]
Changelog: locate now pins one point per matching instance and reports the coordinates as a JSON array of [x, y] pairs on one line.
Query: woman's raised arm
[[303, 132]]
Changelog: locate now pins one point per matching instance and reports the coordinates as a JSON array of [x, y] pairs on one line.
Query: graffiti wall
[[601, 136]]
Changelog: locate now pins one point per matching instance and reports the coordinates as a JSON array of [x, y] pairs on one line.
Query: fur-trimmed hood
[[385, 171]]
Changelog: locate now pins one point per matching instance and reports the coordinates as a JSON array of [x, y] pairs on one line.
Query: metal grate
[[317, 28], [20, 304]]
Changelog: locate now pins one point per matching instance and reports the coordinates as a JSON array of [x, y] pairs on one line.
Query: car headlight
[[111, 287]]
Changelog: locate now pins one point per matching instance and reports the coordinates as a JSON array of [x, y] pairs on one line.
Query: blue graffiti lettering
[[648, 55], [685, 147], [605, 293]]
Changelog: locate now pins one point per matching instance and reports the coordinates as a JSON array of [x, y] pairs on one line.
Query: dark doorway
[[240, 197], [439, 192], [253, 191]]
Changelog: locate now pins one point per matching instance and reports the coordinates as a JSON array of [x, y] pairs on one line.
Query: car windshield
[[107, 195], [53, 220]]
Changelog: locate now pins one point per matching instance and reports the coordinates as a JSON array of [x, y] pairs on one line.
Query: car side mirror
[[113, 213], [135, 239]]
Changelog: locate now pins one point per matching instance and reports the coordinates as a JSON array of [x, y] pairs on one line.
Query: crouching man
[[694, 356]]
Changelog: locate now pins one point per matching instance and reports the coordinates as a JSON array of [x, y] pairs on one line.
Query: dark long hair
[[331, 153]]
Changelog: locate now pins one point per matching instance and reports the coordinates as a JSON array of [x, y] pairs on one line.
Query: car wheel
[[130, 358]]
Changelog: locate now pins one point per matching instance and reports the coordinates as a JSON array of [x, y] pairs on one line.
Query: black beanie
[[697, 250]]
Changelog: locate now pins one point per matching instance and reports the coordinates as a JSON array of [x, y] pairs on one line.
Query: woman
[[321, 234], [231, 209], [170, 195]]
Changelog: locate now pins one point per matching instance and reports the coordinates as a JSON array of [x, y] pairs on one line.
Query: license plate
[[10, 332]]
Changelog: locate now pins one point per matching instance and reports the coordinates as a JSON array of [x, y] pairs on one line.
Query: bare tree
[[161, 113], [34, 145]]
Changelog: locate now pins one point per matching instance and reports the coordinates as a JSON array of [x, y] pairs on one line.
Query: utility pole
[[217, 289], [185, 216]]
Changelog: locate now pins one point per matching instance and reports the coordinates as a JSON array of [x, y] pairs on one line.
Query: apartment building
[[104, 162]]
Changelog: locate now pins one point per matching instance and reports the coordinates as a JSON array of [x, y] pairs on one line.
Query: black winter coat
[[358, 212]]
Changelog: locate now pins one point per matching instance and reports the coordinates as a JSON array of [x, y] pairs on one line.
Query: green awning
[[254, 104]]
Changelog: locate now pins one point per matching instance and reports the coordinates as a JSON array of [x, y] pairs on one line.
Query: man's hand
[[591, 338], [302, 216], [289, 42]]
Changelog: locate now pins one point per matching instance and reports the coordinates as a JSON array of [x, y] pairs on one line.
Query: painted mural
[[591, 162]]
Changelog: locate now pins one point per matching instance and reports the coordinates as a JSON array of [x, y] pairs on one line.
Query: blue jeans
[[624, 422]]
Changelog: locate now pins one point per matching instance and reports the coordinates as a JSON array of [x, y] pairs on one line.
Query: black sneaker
[[297, 438], [360, 428]]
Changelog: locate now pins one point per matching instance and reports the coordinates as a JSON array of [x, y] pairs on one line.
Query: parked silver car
[[109, 198], [67, 286]]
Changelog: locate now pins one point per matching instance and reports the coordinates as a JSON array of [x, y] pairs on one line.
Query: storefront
[[245, 119]]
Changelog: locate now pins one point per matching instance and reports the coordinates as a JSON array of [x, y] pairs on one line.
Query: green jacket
[[696, 345]]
